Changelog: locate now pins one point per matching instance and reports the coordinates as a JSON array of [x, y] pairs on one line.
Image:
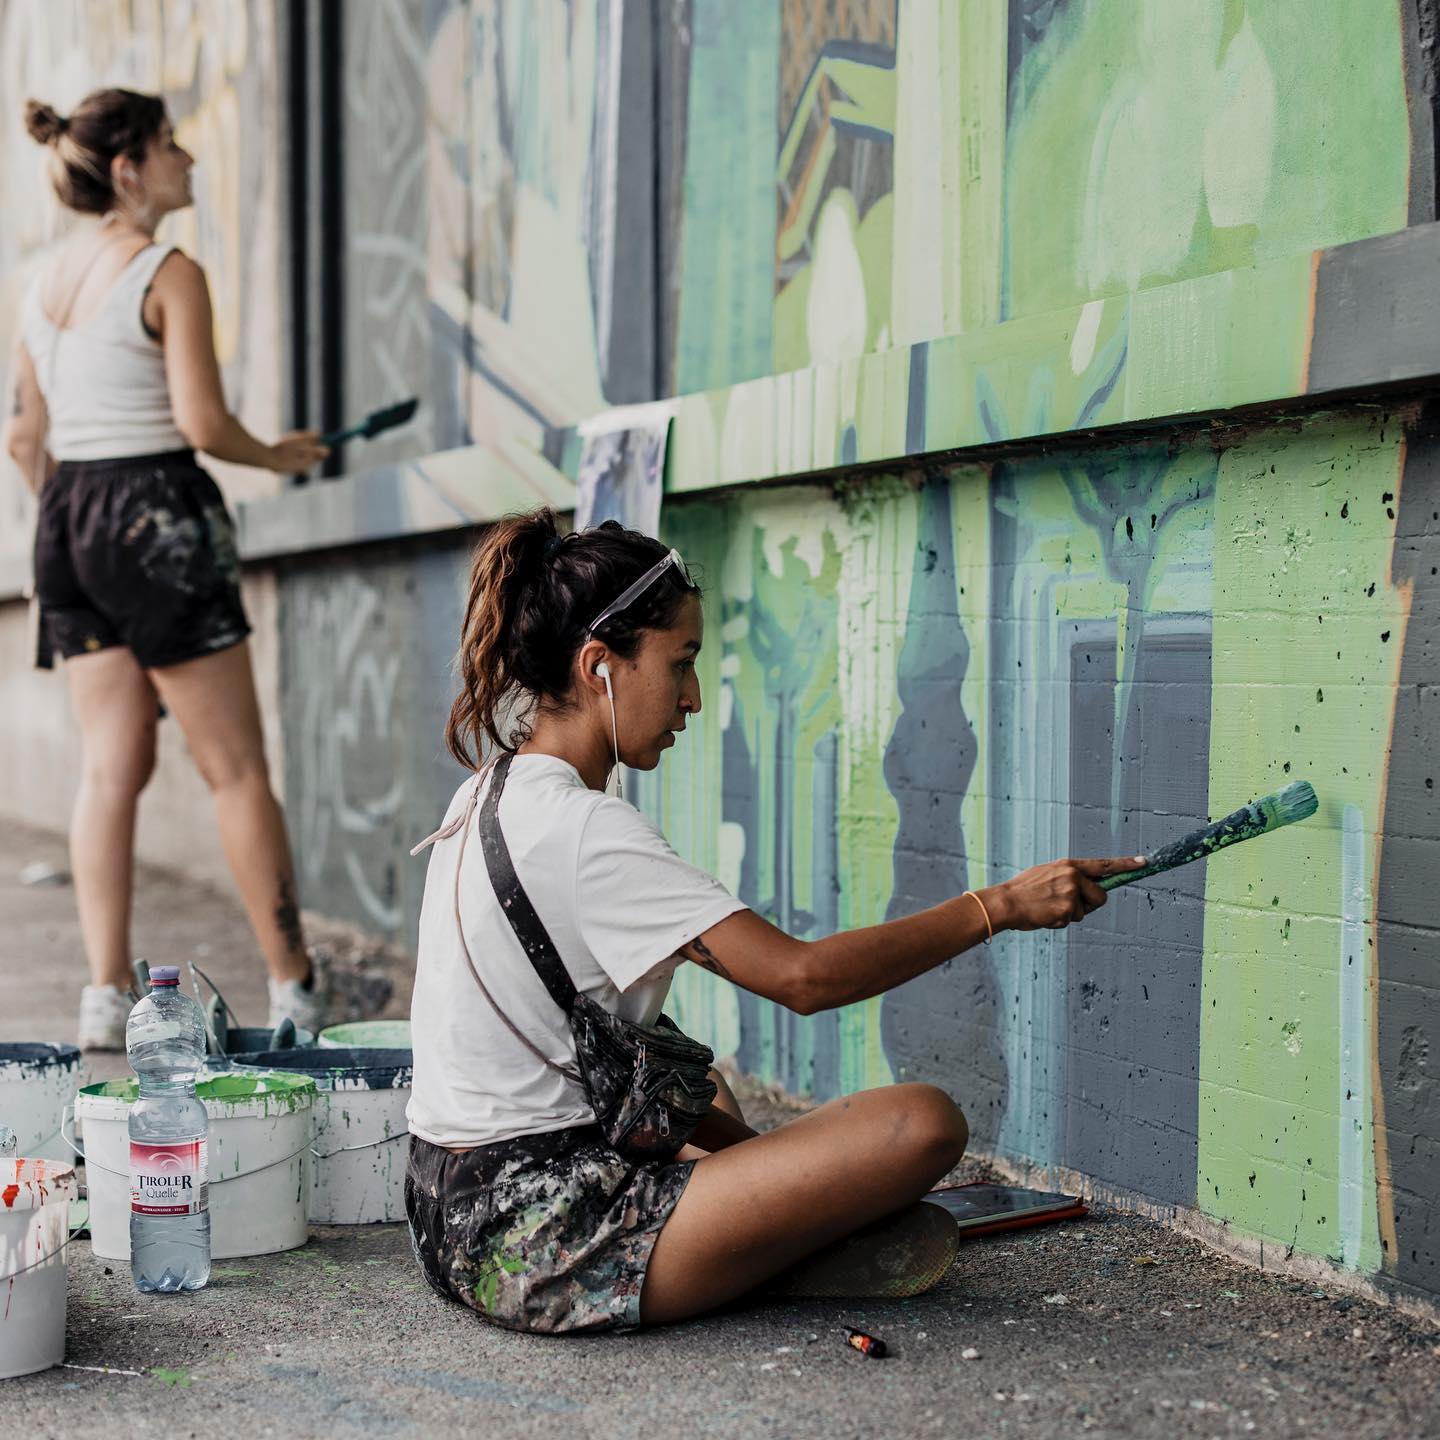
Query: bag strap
[[461, 824], [529, 929]]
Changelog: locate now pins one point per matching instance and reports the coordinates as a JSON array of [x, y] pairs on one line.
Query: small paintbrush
[[374, 423], [1285, 807]]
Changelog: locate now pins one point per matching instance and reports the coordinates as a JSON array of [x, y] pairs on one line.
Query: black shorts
[[137, 552]]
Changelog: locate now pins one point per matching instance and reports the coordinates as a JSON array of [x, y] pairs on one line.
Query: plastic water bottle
[[169, 1135]]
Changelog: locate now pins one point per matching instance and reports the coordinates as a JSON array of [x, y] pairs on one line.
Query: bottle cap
[[164, 975]]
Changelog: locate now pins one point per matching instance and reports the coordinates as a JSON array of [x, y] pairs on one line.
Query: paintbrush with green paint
[[1270, 812]]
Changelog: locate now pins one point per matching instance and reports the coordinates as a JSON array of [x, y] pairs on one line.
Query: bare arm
[[811, 975], [26, 421], [185, 321], [718, 1131]]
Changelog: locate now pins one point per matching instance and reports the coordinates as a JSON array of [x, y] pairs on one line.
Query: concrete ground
[[1112, 1326]]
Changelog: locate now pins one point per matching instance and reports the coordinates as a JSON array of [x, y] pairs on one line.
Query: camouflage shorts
[[549, 1233]]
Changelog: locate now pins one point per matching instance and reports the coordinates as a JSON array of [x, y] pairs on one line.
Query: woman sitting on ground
[[579, 651]]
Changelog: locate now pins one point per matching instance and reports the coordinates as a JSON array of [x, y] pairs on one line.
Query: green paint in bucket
[[271, 1091], [368, 1035]]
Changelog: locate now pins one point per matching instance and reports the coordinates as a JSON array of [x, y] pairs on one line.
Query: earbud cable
[[614, 735]]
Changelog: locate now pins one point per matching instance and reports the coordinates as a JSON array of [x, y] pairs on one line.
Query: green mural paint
[[1150, 143], [1302, 594], [727, 263]]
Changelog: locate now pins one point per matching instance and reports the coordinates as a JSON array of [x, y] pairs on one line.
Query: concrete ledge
[[1326, 325]]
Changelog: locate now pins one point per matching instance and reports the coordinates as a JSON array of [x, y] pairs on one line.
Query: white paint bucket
[[37, 1082], [357, 1168], [367, 1035], [260, 1138], [35, 1196]]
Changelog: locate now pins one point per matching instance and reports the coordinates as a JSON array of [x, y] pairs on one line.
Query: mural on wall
[[365, 664], [389, 339], [977, 669], [1148, 142], [931, 677], [834, 176]]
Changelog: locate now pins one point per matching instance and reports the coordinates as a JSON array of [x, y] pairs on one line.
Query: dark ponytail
[[533, 593], [106, 123]]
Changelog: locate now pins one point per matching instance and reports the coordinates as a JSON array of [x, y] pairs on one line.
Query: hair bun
[[43, 122]]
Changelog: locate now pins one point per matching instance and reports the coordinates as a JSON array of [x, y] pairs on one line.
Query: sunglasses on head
[[633, 592]]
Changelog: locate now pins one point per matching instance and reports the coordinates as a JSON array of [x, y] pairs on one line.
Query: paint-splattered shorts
[[137, 552], [549, 1233]]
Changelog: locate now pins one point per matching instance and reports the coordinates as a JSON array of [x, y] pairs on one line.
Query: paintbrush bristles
[[1294, 802]]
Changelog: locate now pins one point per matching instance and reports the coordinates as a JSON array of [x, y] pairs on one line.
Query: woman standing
[[577, 653], [136, 571]]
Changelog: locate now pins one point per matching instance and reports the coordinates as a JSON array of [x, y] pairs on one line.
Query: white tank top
[[104, 380]]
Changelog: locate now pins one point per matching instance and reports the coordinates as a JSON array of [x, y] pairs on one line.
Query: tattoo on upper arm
[[17, 405], [698, 951]]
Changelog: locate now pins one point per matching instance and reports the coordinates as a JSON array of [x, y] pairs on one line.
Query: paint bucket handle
[[218, 1179], [44, 1259], [214, 1044], [66, 1131], [363, 1145]]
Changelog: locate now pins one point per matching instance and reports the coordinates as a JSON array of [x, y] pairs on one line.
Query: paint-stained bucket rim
[[253, 1092], [339, 1037], [38, 1055], [266, 1031], [335, 1069], [29, 1183]]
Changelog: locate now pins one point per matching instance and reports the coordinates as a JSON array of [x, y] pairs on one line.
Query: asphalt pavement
[[1114, 1325]]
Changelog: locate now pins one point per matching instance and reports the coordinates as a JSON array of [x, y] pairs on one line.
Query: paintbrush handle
[[336, 437], [1244, 824]]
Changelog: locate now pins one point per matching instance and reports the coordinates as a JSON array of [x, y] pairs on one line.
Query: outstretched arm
[[811, 975], [186, 324]]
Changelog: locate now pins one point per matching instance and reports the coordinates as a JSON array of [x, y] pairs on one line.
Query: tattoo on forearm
[[698, 951]]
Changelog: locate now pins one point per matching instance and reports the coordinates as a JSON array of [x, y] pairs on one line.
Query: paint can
[[367, 1035], [357, 1167], [35, 1196], [246, 1040], [37, 1082], [260, 1135]]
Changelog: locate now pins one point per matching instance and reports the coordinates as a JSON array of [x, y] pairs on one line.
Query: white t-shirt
[[618, 903]]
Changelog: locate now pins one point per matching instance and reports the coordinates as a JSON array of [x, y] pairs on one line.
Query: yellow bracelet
[[989, 928]]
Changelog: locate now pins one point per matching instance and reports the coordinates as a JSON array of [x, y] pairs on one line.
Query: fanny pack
[[649, 1084]]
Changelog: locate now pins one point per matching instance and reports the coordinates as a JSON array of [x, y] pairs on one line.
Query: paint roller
[[1295, 802]]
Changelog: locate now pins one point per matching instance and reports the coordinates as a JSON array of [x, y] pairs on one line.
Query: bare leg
[[759, 1207], [115, 708], [213, 698]]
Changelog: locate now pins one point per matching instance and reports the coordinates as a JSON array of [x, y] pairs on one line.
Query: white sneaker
[[103, 1013], [306, 1009]]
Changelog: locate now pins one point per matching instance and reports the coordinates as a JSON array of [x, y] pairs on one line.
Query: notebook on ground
[[982, 1208]]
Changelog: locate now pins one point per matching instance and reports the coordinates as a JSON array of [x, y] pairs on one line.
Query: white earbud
[[602, 670]]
